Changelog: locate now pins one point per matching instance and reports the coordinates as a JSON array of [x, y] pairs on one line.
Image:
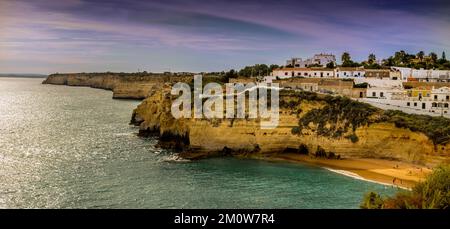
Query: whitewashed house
[[349, 72], [436, 103], [284, 73], [423, 75], [380, 92]]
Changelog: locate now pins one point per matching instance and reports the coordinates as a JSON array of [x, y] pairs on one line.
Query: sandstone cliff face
[[124, 86], [202, 137]]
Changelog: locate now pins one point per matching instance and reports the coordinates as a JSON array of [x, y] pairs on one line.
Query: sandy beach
[[396, 173]]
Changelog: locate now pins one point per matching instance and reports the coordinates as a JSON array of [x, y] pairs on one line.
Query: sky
[[48, 36]]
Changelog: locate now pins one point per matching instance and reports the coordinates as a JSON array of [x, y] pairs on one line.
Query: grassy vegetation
[[433, 193]]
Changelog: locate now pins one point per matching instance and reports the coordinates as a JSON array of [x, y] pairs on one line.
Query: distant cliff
[[123, 85], [321, 126]]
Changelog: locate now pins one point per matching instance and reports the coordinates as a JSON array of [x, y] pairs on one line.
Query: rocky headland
[[123, 85], [311, 124]]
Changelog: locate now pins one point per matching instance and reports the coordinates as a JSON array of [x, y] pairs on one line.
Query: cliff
[[321, 126], [123, 85]]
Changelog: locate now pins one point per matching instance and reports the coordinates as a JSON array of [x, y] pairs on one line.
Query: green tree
[[330, 65], [388, 62], [420, 55], [345, 58], [400, 58], [231, 74], [433, 57], [443, 56], [255, 70], [273, 67], [371, 59]]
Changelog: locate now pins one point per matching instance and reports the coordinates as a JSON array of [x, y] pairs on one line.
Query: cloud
[[217, 32]]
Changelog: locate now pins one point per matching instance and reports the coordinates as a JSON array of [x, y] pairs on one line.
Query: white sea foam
[[358, 177], [175, 158]]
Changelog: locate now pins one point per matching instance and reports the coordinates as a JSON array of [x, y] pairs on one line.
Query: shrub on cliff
[[436, 128], [295, 130], [372, 200], [432, 193], [353, 137], [337, 116]]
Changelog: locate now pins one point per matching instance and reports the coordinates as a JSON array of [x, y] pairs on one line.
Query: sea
[[73, 147]]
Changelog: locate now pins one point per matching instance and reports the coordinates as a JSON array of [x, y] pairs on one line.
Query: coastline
[[382, 171], [386, 172]]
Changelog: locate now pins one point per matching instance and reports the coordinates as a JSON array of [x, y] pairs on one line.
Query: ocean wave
[[358, 177], [175, 158]]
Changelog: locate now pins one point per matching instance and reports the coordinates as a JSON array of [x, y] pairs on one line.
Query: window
[[381, 94], [299, 74], [423, 106], [285, 73], [408, 104], [315, 73], [415, 104], [435, 97], [446, 105], [305, 74], [345, 73], [447, 97], [434, 105], [374, 94], [328, 74]]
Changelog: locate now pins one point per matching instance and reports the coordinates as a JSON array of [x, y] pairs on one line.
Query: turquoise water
[[72, 147]]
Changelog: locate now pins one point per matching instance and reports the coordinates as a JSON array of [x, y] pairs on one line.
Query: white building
[[423, 75], [318, 59], [381, 83], [381, 92], [437, 104], [295, 62], [349, 72], [284, 73], [441, 94]]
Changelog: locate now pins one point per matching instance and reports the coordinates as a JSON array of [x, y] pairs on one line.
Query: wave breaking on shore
[[358, 177]]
